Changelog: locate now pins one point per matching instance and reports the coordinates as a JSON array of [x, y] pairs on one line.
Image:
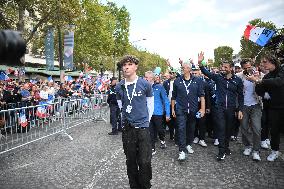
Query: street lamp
[[61, 68], [135, 46], [139, 40]]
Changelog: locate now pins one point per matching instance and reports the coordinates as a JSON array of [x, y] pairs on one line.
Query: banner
[[68, 47], [49, 49]]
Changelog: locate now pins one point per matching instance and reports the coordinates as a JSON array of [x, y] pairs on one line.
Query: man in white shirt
[[251, 122]]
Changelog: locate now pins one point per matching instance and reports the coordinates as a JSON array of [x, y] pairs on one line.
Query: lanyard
[[133, 92], [186, 86]]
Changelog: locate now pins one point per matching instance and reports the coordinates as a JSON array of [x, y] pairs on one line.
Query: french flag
[[99, 84], [23, 120], [258, 35], [68, 78]]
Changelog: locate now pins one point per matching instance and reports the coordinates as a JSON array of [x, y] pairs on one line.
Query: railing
[[24, 125]]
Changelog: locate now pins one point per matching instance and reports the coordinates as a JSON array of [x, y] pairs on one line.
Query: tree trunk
[[21, 23]]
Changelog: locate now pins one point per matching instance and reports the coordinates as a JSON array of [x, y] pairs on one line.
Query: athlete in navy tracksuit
[[229, 94], [114, 109], [188, 93]]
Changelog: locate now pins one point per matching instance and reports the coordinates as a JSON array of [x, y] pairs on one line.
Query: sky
[[182, 28]]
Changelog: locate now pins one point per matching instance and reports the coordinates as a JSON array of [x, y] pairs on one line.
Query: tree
[[222, 53], [31, 16], [93, 36], [148, 61], [250, 49], [121, 31]]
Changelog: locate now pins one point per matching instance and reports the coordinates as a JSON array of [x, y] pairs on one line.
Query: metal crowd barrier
[[25, 125]]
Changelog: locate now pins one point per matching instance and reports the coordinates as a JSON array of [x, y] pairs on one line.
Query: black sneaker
[[228, 152], [113, 133], [221, 156]]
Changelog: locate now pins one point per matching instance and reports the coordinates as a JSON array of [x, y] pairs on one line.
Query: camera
[[248, 72], [12, 48]]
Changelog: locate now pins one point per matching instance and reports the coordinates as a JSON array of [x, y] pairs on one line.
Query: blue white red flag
[[258, 35]]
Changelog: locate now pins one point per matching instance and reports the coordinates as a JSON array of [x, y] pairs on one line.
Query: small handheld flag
[[258, 35], [49, 79], [3, 76], [68, 78]]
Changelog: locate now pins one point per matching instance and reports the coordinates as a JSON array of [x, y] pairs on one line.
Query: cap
[[237, 65]]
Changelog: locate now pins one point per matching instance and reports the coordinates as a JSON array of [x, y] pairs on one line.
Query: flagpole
[[258, 53]]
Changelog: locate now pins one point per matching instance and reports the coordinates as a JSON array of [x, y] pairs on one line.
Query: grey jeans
[[251, 126]]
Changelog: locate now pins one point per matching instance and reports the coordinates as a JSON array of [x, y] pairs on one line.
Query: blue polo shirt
[[188, 100], [139, 115]]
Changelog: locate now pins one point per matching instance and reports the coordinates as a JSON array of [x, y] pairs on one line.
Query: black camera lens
[[12, 48]]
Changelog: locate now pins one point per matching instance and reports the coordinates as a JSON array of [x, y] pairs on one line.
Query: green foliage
[[32, 16], [121, 31], [101, 30], [148, 61], [250, 49], [93, 35], [222, 53]]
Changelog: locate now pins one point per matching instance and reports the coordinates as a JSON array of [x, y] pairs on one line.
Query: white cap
[[238, 65]]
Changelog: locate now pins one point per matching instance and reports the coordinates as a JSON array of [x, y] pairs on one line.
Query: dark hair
[[113, 78], [245, 61], [271, 58], [129, 58], [231, 63]]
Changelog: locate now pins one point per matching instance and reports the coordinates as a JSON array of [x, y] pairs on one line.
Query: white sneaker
[[264, 144], [202, 143], [216, 142], [196, 139], [247, 151], [163, 144], [255, 156], [181, 156], [268, 142], [273, 156], [154, 152], [189, 149]]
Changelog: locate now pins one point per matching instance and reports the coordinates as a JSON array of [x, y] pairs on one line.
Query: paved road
[[95, 160]]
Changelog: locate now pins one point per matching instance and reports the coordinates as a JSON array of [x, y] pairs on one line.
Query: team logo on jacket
[[139, 93]]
